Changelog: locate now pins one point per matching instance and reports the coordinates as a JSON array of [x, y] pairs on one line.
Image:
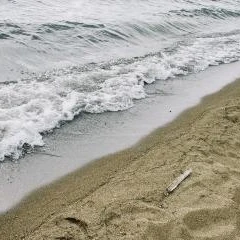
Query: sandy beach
[[123, 196]]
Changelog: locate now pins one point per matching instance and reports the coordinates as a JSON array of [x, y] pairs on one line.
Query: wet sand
[[123, 196]]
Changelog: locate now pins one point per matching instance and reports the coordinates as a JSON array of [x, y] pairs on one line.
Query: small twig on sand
[[178, 180]]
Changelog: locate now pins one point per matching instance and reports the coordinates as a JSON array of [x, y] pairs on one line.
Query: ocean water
[[62, 58]]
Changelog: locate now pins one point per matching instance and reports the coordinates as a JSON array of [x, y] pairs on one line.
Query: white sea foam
[[30, 107]]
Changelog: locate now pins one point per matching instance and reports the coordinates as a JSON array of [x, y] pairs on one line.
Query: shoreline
[[32, 218], [69, 148]]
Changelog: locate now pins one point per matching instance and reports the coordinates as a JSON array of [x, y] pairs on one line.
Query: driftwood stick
[[178, 180]]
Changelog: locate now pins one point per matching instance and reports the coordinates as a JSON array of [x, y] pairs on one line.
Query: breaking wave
[[189, 36]]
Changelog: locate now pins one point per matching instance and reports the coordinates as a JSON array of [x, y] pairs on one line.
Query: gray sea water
[[61, 58]]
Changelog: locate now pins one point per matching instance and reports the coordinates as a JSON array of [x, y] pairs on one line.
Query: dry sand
[[123, 196]]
